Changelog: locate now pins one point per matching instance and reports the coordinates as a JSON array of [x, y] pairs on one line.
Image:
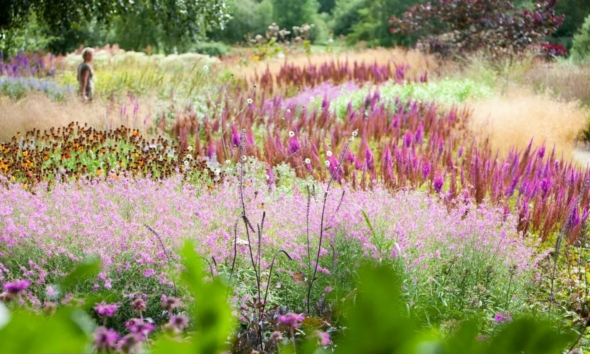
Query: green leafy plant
[[581, 44]]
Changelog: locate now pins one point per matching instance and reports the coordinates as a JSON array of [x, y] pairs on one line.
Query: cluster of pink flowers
[[108, 220]]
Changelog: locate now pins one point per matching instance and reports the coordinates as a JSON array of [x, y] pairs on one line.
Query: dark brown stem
[[270, 275], [165, 253], [317, 259]]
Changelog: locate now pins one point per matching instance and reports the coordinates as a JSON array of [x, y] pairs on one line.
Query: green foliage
[[327, 6], [172, 23], [210, 310], [288, 14], [364, 20], [575, 12], [581, 44], [346, 15], [378, 322], [373, 25], [31, 38], [447, 91], [374, 314], [249, 17], [214, 49], [67, 331]]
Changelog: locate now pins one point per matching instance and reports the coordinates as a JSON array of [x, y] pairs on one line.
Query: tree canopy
[[186, 18]]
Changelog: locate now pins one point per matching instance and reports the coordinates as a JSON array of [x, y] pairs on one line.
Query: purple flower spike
[[438, 183], [369, 160], [16, 287], [235, 136], [425, 169], [294, 145], [408, 137]]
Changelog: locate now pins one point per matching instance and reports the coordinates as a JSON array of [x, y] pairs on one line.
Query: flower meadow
[[303, 210]]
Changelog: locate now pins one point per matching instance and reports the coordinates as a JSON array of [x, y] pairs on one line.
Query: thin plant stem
[[307, 223], [165, 253], [270, 275], [317, 258]]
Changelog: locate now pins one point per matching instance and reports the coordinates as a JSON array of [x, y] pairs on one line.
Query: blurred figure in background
[[86, 75]]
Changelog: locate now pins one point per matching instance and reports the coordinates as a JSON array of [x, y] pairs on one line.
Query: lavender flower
[[105, 310], [291, 319], [324, 338], [140, 327], [138, 305], [16, 287], [177, 324], [170, 303], [105, 339]]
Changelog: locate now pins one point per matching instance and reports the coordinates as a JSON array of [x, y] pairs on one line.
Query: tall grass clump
[[512, 120]]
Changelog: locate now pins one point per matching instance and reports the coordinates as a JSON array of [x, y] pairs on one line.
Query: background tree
[[287, 14], [470, 25], [373, 23], [179, 21], [575, 11], [327, 6], [581, 43], [248, 17]]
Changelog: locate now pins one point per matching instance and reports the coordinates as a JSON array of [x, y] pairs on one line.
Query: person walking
[[86, 75]]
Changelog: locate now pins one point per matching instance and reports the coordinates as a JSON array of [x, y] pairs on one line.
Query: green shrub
[[214, 49], [581, 44]]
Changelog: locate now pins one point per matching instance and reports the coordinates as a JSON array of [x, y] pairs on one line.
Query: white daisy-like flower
[[355, 133], [187, 164], [307, 161], [228, 162], [312, 99], [327, 163], [244, 158], [329, 153], [190, 148], [206, 68], [188, 157], [291, 133], [249, 100]]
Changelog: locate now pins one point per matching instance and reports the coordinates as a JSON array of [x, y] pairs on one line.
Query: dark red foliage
[[470, 25], [551, 50]]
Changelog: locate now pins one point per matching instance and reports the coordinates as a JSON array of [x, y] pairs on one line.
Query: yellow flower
[[256, 58]]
